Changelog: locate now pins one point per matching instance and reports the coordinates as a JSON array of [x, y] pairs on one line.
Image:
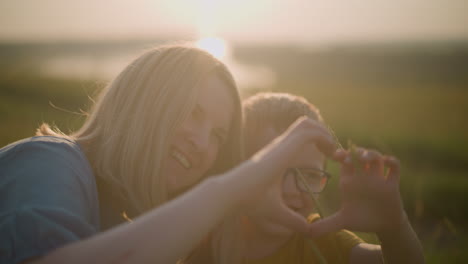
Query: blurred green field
[[410, 103]]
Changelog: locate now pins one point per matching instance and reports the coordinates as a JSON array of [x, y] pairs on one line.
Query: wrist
[[399, 225], [237, 187], [400, 244]]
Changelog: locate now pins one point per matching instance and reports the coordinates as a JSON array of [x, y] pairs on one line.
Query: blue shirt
[[48, 197]]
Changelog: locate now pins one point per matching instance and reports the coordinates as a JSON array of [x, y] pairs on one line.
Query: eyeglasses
[[313, 179]]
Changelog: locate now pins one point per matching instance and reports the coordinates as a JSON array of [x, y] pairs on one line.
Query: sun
[[216, 46]]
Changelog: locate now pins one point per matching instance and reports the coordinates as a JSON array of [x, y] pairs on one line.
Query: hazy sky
[[308, 21]]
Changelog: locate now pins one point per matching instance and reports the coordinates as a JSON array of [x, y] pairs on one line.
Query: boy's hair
[[276, 110], [127, 132]]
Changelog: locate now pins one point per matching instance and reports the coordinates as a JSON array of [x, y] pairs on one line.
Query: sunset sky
[[273, 21]]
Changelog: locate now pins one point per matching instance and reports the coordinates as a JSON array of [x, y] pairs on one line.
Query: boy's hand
[[369, 187]]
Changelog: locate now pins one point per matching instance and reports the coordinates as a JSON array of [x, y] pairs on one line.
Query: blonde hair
[[263, 110], [125, 136]]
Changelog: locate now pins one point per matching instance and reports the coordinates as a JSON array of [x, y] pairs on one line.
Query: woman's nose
[[199, 137]]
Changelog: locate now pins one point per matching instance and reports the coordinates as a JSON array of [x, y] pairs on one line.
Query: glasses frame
[[300, 179]]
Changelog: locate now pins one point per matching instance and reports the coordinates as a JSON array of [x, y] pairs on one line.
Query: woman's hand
[[370, 193], [270, 209], [283, 149], [273, 160]]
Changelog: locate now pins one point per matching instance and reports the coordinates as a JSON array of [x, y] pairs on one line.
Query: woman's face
[[296, 200], [195, 144]]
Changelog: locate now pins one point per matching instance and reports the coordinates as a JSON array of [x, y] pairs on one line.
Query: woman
[[168, 120], [370, 201]]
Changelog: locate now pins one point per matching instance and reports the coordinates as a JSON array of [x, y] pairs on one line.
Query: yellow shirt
[[334, 247]]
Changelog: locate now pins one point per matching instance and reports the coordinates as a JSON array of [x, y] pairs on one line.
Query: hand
[[283, 149], [275, 158], [370, 194], [270, 211]]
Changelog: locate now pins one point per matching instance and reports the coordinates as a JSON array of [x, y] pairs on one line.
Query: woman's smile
[[181, 158]]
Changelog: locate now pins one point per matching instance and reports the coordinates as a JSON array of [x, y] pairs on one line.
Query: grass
[[27, 101]]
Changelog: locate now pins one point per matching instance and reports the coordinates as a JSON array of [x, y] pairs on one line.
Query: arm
[[163, 235], [400, 245], [399, 242], [160, 236]]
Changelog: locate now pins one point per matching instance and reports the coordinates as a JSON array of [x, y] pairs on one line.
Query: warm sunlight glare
[[216, 46]]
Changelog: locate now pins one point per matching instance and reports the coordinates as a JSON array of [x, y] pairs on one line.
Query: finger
[[368, 162], [325, 141], [285, 147], [292, 219], [318, 125], [346, 173], [355, 159], [329, 224], [326, 147], [346, 167], [393, 169], [339, 155], [308, 123], [375, 163], [360, 155], [314, 132]]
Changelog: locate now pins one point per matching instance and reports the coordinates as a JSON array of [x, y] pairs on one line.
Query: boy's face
[[295, 199]]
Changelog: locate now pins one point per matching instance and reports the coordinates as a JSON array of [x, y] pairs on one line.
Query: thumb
[[326, 225], [339, 155], [292, 220]]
